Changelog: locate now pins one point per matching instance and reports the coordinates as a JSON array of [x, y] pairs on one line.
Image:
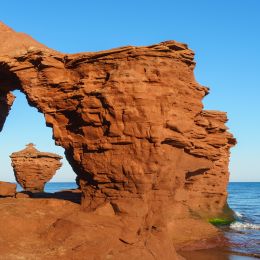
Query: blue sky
[[225, 36]]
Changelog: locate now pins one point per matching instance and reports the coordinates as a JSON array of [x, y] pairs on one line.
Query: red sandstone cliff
[[134, 130]]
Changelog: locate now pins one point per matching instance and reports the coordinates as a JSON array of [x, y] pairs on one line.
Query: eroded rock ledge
[[134, 130]]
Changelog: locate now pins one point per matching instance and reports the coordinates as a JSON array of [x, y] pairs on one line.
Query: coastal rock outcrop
[[134, 130], [33, 169], [7, 189]]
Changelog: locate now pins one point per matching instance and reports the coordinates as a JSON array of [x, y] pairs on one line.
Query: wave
[[238, 214], [240, 225]]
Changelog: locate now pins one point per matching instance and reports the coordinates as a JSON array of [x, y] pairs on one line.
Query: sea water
[[244, 233], [58, 186], [55, 186]]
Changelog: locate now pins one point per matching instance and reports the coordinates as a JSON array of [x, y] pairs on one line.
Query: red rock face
[[33, 169], [6, 101], [132, 123], [7, 189]]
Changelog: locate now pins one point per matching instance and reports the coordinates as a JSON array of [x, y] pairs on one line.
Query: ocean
[[244, 199], [55, 186], [244, 233]]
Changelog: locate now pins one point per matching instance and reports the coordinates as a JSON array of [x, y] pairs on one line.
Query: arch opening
[[24, 125]]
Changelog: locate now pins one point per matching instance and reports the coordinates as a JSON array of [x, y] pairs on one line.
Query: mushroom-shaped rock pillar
[[33, 168]]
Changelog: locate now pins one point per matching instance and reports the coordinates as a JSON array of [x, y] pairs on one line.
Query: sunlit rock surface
[[7, 189], [134, 130], [33, 169]]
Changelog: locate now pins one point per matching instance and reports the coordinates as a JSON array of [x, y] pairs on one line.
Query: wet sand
[[215, 254]]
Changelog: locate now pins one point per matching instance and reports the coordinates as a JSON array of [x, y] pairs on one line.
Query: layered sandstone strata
[[134, 130], [33, 169]]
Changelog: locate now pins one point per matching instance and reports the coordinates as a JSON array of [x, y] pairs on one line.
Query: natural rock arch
[[132, 124]]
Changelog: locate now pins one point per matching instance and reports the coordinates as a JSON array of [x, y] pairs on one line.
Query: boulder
[[7, 189], [22, 195], [33, 168]]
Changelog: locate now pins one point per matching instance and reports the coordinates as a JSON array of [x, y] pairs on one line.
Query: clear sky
[[225, 36]]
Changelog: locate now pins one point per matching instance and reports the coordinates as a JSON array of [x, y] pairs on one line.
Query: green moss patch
[[220, 221]]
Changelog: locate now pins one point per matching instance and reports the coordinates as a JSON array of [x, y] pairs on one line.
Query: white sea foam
[[238, 214], [240, 225]]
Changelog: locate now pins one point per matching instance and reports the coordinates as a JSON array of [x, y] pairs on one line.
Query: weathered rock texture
[[7, 189], [33, 169], [133, 127], [6, 101]]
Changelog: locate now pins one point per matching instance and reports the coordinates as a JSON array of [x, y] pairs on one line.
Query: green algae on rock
[[220, 221]]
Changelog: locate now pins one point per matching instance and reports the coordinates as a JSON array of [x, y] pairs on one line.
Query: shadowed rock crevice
[[189, 175], [73, 195]]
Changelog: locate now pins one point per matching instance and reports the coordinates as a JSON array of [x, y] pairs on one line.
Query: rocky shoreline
[[51, 228]]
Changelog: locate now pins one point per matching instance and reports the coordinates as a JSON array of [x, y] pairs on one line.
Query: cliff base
[[49, 228]]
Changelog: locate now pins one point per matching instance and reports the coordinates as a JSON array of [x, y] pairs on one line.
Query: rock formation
[[134, 130], [6, 101], [7, 189], [33, 169]]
